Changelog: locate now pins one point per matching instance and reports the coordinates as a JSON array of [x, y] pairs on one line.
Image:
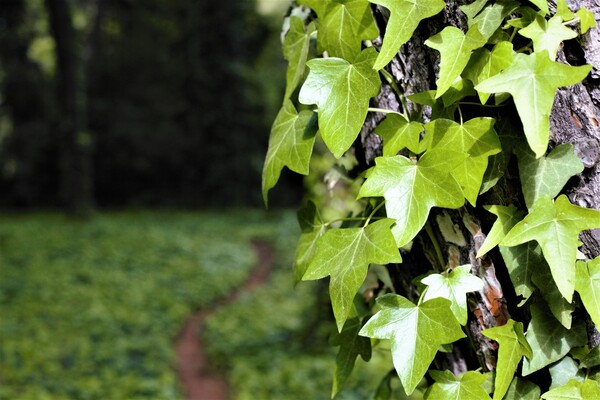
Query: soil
[[198, 380]]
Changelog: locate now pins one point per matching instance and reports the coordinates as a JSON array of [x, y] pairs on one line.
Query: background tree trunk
[[575, 119], [75, 142]]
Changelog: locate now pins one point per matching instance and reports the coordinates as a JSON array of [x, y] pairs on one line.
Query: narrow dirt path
[[198, 380]]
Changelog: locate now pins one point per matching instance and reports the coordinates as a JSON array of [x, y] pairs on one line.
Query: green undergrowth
[[272, 342], [90, 310]]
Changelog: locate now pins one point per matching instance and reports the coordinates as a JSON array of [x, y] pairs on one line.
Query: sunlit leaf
[[454, 286], [466, 386], [345, 254], [556, 227], [411, 188], [512, 346], [547, 35], [508, 216], [405, 16], [575, 390], [397, 134], [455, 50], [532, 80], [587, 284], [415, 332], [342, 91]]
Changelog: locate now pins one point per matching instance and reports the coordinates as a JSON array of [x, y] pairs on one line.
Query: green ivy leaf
[[523, 390], [546, 176], [476, 137], [454, 286], [592, 359], [397, 133], [574, 390], [522, 262], [466, 386], [587, 284], [562, 10], [485, 64], [405, 16], [345, 255], [542, 5], [556, 226], [343, 25], [532, 80], [342, 91], [412, 189], [491, 17], [415, 332], [549, 340], [587, 19], [508, 216], [512, 346], [563, 371], [455, 50], [290, 145], [528, 15], [313, 228], [351, 346], [547, 35], [560, 308], [471, 10], [295, 51]]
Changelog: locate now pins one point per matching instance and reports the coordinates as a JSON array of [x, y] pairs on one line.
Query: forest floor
[[199, 380]]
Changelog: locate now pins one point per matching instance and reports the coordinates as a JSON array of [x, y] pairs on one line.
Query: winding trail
[[198, 380]]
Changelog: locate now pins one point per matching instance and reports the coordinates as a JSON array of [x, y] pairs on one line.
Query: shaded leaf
[[405, 16], [411, 189], [549, 340], [415, 332], [587, 284], [512, 346], [556, 227], [546, 176], [351, 346], [290, 145], [455, 50], [592, 358], [342, 91], [454, 286], [523, 390], [563, 371], [532, 80], [295, 51], [345, 254], [560, 308]]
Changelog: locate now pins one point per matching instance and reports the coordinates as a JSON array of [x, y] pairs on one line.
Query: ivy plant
[[432, 161]]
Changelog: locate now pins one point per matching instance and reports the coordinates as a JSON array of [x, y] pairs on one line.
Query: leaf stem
[[436, 244], [373, 212], [390, 79], [385, 111]]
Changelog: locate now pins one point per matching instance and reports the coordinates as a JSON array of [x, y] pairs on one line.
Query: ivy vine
[[438, 159]]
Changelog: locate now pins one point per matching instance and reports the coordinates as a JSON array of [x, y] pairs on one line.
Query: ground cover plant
[[90, 310], [466, 139]]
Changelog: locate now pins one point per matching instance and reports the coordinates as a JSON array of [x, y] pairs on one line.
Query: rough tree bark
[[575, 119]]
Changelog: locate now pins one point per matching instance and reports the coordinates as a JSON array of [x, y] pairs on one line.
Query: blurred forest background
[[121, 103]]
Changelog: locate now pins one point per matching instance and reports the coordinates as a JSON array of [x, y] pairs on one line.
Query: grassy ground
[[89, 310]]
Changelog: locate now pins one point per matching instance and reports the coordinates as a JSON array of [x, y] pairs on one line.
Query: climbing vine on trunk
[[459, 250]]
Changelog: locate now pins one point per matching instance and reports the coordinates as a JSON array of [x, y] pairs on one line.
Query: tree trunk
[[76, 180], [459, 233]]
